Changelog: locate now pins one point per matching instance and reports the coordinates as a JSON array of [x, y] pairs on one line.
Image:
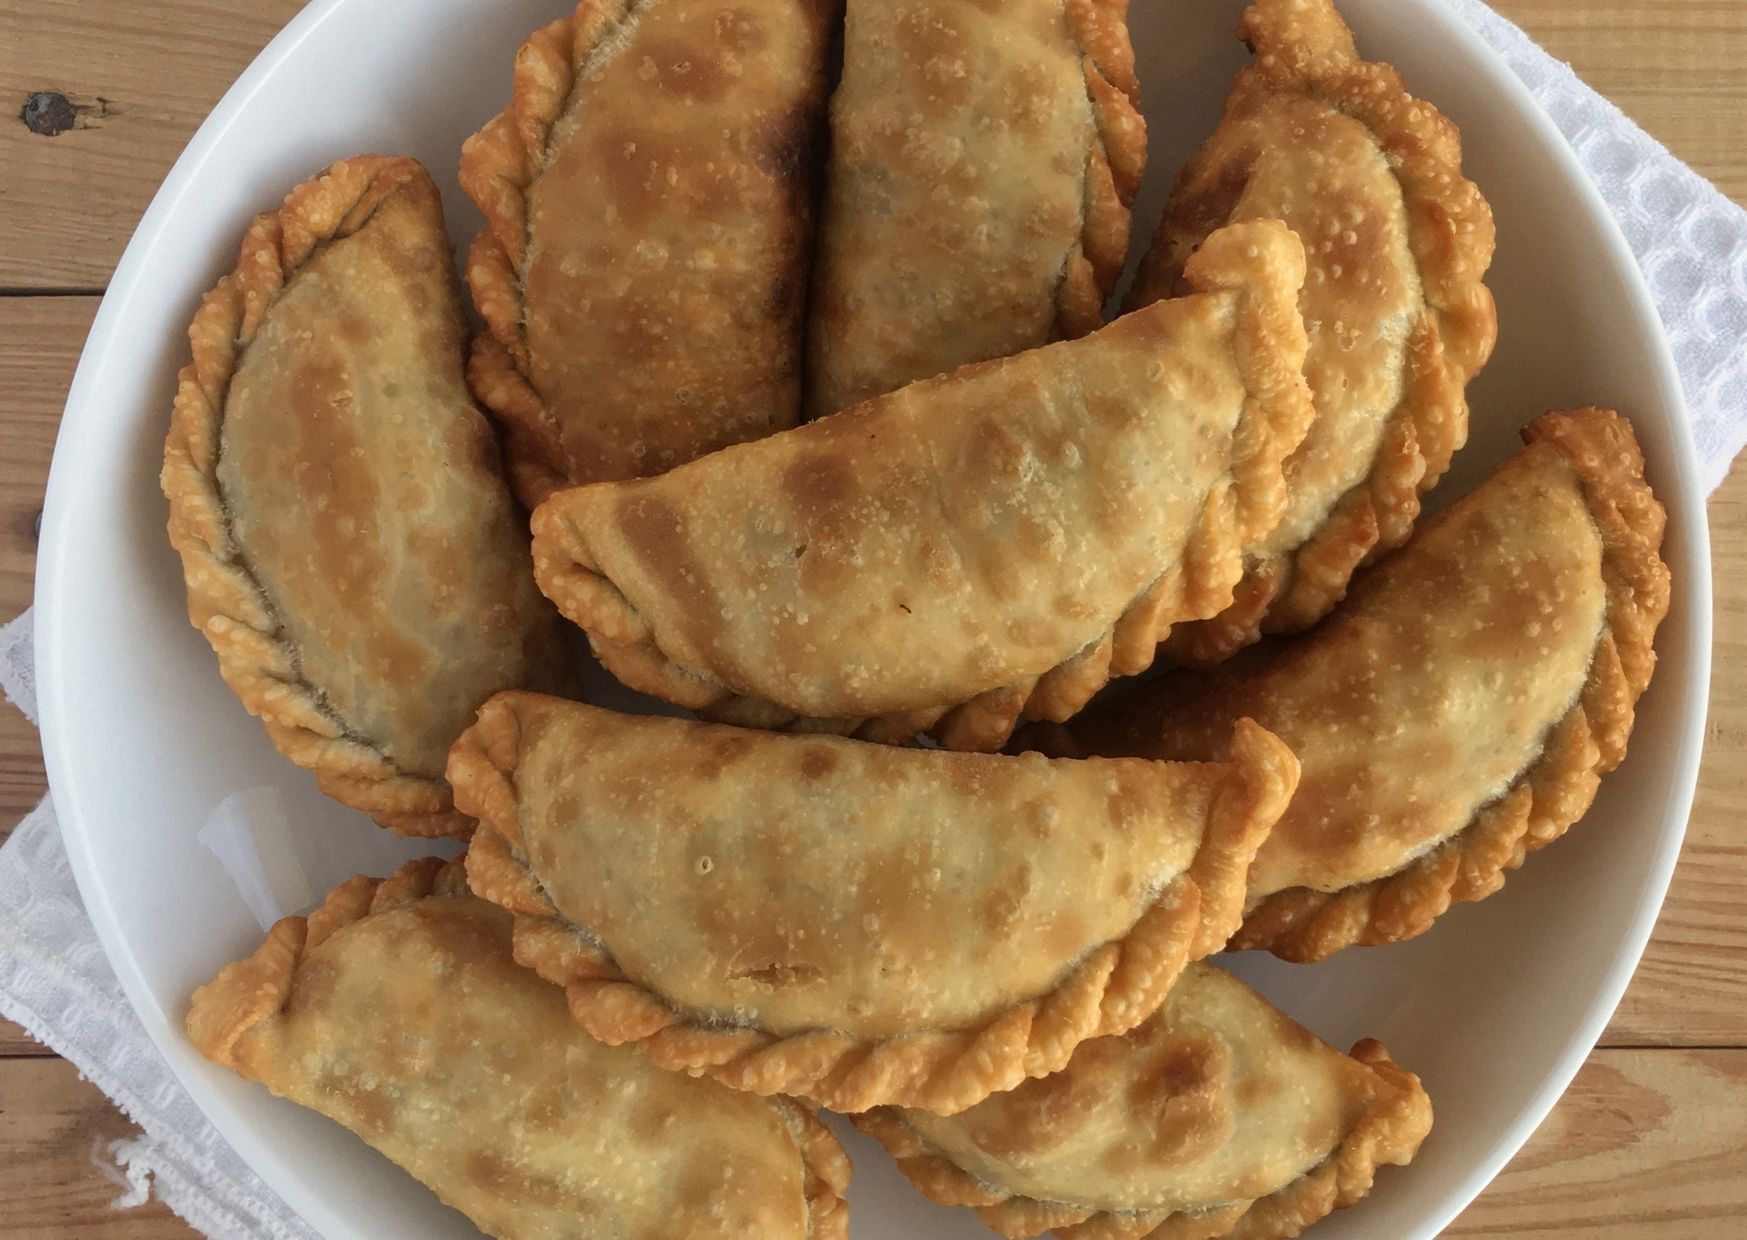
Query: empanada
[[349, 546], [397, 1011], [1397, 242], [1455, 714], [649, 199], [983, 159], [852, 923], [1000, 540], [1219, 1116]]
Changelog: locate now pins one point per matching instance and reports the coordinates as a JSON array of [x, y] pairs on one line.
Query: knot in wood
[[48, 112]]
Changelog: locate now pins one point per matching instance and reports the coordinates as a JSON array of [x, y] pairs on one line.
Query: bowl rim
[[1687, 500]]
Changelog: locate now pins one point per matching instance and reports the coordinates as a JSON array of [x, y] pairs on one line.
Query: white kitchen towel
[[1689, 239], [55, 981]]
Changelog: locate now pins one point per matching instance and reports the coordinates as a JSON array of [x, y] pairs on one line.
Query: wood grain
[[54, 1129], [145, 74], [1676, 69], [15, 1043], [40, 338], [1691, 989], [1674, 66], [1644, 1144]]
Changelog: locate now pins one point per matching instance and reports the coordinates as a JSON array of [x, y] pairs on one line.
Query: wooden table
[[1651, 1140]]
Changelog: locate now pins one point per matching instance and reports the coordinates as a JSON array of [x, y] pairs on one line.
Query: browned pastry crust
[[1114, 164], [227, 598], [1588, 742], [263, 985], [984, 159], [649, 309], [1305, 57], [1389, 1133], [1559, 550], [249, 991], [976, 551], [1112, 987]]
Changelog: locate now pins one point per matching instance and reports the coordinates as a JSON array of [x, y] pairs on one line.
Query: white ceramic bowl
[[163, 784]]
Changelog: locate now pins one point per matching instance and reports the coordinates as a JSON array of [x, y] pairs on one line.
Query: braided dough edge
[[1389, 1133], [225, 601], [1111, 990], [258, 987], [499, 165], [1115, 162], [1308, 49], [1261, 265], [1301, 924]]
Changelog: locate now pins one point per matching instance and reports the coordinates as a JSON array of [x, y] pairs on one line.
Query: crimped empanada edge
[[1452, 236], [499, 164], [225, 602], [1304, 925], [1261, 264], [1112, 989], [1115, 162], [1388, 1134], [255, 988]]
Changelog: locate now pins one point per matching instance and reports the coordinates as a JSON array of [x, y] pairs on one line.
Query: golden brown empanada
[[1000, 540], [1219, 1116], [349, 546], [1397, 242], [852, 923], [1455, 714], [649, 202], [397, 1011], [983, 159]]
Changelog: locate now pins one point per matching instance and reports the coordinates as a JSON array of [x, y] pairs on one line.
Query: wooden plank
[[1673, 66], [15, 1043], [1691, 989], [142, 76], [23, 782], [54, 1127], [40, 339], [1646, 1145]]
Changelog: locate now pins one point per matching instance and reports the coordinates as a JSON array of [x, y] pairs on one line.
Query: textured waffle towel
[[54, 980]]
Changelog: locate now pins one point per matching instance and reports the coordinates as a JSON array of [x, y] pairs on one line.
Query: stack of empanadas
[[911, 864]]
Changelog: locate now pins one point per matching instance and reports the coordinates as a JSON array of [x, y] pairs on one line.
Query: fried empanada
[[349, 546], [397, 1010], [1000, 540], [851, 923], [649, 199], [1219, 1116], [1397, 243], [1455, 714], [983, 159]]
